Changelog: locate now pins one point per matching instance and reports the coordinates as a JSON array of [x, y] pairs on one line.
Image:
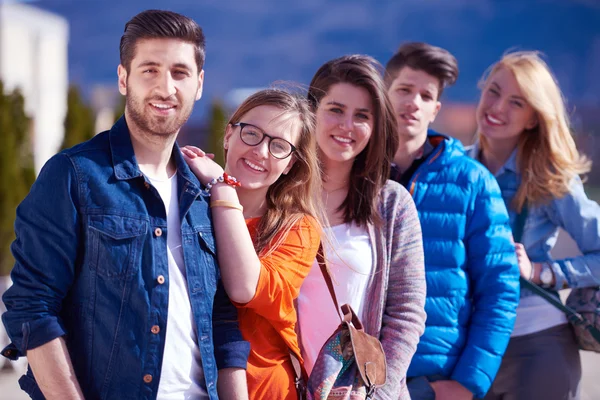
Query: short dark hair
[[160, 24], [420, 56], [371, 168]]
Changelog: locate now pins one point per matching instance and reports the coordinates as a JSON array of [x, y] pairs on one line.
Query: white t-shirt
[[181, 376], [535, 314], [351, 263]]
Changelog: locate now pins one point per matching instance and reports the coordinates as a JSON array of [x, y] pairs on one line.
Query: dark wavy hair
[[420, 56], [371, 167]]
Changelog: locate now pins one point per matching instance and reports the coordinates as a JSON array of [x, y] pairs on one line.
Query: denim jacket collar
[[125, 164], [509, 166], [192, 183]]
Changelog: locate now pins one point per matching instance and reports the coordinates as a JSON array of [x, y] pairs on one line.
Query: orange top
[[268, 321]]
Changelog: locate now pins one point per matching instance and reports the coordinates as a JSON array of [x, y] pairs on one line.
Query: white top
[[351, 263], [535, 314], [181, 376]]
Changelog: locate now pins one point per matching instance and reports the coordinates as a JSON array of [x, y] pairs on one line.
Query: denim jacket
[[574, 212], [91, 265]]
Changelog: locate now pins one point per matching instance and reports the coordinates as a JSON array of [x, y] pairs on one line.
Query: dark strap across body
[[573, 316]]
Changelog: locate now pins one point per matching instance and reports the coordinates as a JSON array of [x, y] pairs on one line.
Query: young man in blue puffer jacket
[[470, 262]]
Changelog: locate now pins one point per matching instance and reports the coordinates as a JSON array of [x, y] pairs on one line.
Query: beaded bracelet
[[230, 180]]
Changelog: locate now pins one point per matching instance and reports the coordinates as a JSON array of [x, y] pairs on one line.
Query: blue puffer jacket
[[471, 268]]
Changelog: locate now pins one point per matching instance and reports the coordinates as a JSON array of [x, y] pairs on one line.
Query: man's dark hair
[[420, 56], [159, 24]]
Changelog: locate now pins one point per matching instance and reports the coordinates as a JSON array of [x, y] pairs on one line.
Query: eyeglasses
[[253, 136]]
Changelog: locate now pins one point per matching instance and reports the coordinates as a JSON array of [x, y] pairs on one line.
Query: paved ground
[[591, 375], [9, 388]]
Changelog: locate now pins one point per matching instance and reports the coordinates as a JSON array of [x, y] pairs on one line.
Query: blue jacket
[[91, 265], [470, 265]]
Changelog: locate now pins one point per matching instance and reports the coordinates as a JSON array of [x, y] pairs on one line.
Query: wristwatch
[[546, 275]]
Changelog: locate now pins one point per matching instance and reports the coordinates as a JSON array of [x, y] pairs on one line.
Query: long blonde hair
[[298, 193], [547, 156]]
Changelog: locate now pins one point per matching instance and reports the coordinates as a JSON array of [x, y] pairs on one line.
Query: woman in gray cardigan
[[374, 247]]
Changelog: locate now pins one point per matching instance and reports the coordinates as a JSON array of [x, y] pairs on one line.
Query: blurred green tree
[[17, 171], [80, 120], [120, 108], [216, 131]]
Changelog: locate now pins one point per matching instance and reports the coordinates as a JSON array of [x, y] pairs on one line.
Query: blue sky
[[253, 43]]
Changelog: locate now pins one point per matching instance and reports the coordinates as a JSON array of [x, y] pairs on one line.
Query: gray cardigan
[[395, 297]]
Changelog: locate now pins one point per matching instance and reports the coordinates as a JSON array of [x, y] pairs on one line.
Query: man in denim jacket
[[116, 288]]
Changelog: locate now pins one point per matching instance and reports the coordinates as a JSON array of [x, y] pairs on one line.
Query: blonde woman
[[525, 141]]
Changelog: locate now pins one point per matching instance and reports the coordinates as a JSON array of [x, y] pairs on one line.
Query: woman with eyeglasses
[[265, 213]]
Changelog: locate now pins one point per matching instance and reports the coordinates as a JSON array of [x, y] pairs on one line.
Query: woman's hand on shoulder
[[201, 164]]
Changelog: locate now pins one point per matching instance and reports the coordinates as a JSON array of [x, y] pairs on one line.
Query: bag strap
[[520, 223], [299, 372], [573, 316], [349, 316], [323, 265], [299, 380]]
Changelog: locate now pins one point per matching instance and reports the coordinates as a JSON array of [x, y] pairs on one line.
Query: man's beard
[[154, 125]]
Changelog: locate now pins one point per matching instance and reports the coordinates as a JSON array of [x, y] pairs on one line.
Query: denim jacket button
[[158, 232], [155, 329], [160, 279], [147, 378], [146, 185]]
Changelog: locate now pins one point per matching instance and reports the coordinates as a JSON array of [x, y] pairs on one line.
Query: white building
[[235, 97], [104, 102], [33, 57]]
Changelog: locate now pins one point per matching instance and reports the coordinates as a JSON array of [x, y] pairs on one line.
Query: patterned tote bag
[[351, 364]]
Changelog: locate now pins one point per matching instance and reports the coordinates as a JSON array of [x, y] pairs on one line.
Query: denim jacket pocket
[[208, 240], [115, 243], [208, 257]]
